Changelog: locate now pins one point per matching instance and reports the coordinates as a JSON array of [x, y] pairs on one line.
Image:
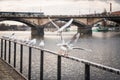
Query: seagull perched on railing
[[11, 36], [32, 42], [26, 41], [42, 44], [60, 29], [65, 47]]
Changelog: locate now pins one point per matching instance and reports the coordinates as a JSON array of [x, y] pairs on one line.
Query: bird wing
[[74, 38], [89, 50], [60, 33], [33, 41], [62, 28], [65, 26], [53, 23]]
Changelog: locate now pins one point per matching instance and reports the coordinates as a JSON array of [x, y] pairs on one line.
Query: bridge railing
[[41, 15], [6, 51], [21, 14]]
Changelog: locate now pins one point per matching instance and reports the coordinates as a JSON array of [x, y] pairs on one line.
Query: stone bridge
[[37, 21]]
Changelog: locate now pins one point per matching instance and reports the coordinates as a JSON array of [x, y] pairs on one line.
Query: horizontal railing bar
[[100, 66]]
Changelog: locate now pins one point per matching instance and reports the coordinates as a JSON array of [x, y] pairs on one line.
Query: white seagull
[[26, 41], [11, 36], [65, 47], [32, 42], [23, 40], [42, 44], [60, 29]]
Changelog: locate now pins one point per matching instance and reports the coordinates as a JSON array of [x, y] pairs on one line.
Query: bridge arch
[[100, 20], [82, 28], [32, 25], [35, 29], [108, 19], [117, 20], [75, 22]]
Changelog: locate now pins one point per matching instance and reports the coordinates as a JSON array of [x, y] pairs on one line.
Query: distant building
[[116, 12]]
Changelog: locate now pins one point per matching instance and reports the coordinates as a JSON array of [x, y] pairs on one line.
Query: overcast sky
[[58, 7], [67, 7]]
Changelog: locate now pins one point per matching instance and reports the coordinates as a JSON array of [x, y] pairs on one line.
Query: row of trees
[[7, 27]]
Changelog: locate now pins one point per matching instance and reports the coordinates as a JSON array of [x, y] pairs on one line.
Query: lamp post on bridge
[[110, 8]]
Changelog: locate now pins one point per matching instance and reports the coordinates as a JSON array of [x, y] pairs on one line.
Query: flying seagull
[[60, 29], [65, 47]]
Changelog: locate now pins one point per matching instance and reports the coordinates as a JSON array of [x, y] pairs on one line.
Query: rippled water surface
[[105, 50]]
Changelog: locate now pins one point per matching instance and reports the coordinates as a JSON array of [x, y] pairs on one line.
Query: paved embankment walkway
[[8, 73]]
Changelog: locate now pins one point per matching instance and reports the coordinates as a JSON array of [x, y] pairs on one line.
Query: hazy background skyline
[[59, 7]]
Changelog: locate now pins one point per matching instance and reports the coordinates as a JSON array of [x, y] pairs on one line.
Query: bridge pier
[[37, 32], [84, 31]]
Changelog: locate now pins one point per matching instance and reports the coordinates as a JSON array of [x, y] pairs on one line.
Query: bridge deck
[[8, 73]]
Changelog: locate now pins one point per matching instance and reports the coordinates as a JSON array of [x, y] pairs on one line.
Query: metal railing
[[85, 62]]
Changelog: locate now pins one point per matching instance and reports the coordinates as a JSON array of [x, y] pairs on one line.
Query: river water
[[105, 48]]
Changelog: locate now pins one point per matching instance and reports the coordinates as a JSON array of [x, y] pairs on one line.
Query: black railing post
[[41, 64], [5, 46], [29, 65], [59, 68], [14, 54], [9, 53], [87, 72], [21, 58], [1, 48]]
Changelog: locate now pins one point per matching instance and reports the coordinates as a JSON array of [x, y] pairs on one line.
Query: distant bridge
[[38, 20]]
